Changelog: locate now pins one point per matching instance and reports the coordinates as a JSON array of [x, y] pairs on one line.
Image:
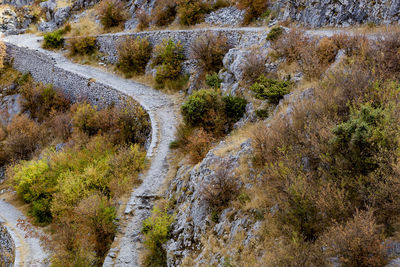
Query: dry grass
[[86, 26], [235, 139], [8, 76], [2, 54]]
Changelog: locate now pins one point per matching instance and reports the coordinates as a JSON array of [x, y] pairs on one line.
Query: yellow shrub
[[2, 54]]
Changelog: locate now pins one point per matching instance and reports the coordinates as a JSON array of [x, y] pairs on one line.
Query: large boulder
[[62, 15]]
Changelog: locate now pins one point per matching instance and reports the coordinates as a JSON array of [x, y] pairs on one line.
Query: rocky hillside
[[269, 142], [18, 15]]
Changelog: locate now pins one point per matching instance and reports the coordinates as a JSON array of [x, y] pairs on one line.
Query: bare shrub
[[309, 62], [164, 12], [326, 51], [133, 55], [112, 13], [41, 100], [143, 18], [208, 51], [22, 138], [222, 188], [291, 44], [60, 125], [254, 66], [266, 141], [358, 242], [352, 45], [387, 55], [254, 8], [199, 143]]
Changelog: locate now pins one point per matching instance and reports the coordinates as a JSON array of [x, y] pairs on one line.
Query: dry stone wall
[[76, 87]]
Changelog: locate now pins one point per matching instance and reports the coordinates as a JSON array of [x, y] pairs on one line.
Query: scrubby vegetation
[[270, 89], [164, 12], [208, 51], [55, 39], [168, 59], [330, 167], [71, 163], [112, 13], [156, 230], [133, 55], [313, 56], [82, 46], [275, 33], [207, 116], [254, 8], [192, 12]]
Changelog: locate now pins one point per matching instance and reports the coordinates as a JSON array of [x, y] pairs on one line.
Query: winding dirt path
[[28, 251], [163, 114]]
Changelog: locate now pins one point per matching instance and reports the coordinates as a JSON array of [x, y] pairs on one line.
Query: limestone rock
[[340, 13], [228, 16]]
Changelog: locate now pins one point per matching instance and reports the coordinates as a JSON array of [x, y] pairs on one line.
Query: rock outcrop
[[14, 20], [193, 218], [55, 16], [339, 13]]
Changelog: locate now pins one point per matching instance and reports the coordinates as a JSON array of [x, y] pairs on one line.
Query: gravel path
[[28, 251], [163, 115]]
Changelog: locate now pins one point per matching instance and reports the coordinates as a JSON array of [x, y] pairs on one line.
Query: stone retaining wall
[[76, 87], [108, 43], [7, 248]]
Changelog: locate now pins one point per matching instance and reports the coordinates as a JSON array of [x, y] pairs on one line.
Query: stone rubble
[[225, 17]]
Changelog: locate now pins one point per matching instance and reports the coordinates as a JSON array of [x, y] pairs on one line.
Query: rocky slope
[[19, 13]]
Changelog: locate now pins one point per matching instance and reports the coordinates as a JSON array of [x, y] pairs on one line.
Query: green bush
[[33, 185], [262, 113], [216, 114], [54, 40], [271, 89], [156, 231], [213, 81], [235, 107], [367, 134], [168, 59], [192, 12], [197, 109], [133, 55], [274, 33]]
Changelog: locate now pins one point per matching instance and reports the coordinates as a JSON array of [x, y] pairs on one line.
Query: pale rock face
[[11, 23], [17, 3], [192, 219], [224, 17], [340, 13], [55, 16], [82, 4]]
